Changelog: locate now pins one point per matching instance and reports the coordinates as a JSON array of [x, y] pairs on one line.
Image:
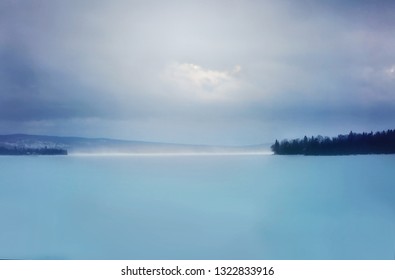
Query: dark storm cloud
[[31, 93]]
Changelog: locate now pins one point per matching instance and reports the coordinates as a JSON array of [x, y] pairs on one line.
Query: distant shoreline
[[40, 144]]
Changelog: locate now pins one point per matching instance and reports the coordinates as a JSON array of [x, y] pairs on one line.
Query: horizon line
[[140, 141]]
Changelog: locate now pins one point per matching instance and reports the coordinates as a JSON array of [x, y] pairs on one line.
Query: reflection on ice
[[172, 154]]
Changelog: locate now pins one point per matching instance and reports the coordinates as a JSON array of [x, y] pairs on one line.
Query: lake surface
[[197, 207]]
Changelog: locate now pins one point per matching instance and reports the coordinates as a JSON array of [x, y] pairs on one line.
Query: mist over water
[[206, 207]]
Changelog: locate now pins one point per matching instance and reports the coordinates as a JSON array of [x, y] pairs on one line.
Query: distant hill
[[105, 145]]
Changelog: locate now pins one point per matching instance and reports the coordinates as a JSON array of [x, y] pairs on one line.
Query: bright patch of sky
[[203, 83]]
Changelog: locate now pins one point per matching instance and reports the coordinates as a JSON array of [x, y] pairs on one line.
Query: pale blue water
[[197, 207]]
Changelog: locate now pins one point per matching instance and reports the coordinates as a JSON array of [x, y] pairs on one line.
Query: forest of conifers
[[351, 144], [18, 151]]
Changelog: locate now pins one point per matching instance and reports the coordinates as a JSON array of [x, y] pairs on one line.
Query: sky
[[199, 72]]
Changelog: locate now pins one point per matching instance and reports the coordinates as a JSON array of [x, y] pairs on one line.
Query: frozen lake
[[197, 207]]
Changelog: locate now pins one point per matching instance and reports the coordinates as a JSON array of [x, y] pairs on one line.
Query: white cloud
[[202, 82], [390, 72]]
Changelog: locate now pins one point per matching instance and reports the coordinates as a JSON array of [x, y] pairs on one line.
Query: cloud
[[245, 65], [390, 71], [203, 83]]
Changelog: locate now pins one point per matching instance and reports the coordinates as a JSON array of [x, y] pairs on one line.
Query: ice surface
[[222, 207]]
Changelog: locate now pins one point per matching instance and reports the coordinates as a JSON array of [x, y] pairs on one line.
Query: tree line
[[16, 151], [351, 144]]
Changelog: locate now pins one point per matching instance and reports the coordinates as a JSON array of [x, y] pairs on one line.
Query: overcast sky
[[205, 72]]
